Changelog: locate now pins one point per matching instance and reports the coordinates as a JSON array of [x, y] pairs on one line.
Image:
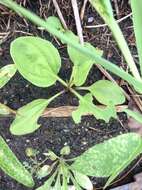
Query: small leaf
[[65, 150], [30, 152], [6, 73], [55, 22], [83, 180], [36, 59], [82, 63], [27, 116], [43, 171], [12, 167], [52, 155], [104, 159], [107, 93], [86, 106]]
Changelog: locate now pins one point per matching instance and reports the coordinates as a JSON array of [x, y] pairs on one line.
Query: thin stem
[[62, 82], [82, 88], [56, 95]]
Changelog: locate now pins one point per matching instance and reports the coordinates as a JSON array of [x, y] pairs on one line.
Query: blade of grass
[[136, 6], [103, 62], [104, 8]]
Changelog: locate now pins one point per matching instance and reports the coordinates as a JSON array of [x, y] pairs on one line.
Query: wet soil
[[57, 132]]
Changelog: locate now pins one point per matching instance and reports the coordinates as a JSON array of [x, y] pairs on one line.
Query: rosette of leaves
[[39, 62], [106, 159]]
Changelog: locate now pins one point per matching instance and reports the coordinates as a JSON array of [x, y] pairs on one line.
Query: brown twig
[[66, 111], [83, 9], [136, 98], [60, 14], [104, 25], [77, 21]]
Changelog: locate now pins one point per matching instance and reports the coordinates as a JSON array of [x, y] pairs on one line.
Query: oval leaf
[[83, 180], [36, 59], [6, 73], [27, 116], [107, 93], [82, 63], [104, 159], [12, 167]]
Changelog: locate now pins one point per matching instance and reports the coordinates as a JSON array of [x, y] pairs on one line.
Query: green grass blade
[[104, 8], [136, 6], [97, 59]]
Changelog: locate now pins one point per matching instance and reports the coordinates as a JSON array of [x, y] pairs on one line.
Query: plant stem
[[56, 95], [82, 88], [62, 82]]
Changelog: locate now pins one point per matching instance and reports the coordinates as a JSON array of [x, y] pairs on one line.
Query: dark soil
[[57, 132]]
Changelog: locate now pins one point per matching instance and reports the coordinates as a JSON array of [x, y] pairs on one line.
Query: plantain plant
[[39, 62]]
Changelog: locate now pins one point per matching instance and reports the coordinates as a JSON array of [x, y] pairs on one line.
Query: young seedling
[[39, 62], [106, 159], [60, 173]]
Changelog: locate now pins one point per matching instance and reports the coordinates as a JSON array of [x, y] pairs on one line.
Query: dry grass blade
[[77, 21], [66, 111], [60, 14]]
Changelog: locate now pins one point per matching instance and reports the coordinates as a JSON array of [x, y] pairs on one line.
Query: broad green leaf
[[107, 92], [136, 115], [36, 59], [86, 106], [27, 116], [103, 7], [121, 167], [12, 166], [104, 159], [137, 22], [6, 73], [83, 180], [82, 63]]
